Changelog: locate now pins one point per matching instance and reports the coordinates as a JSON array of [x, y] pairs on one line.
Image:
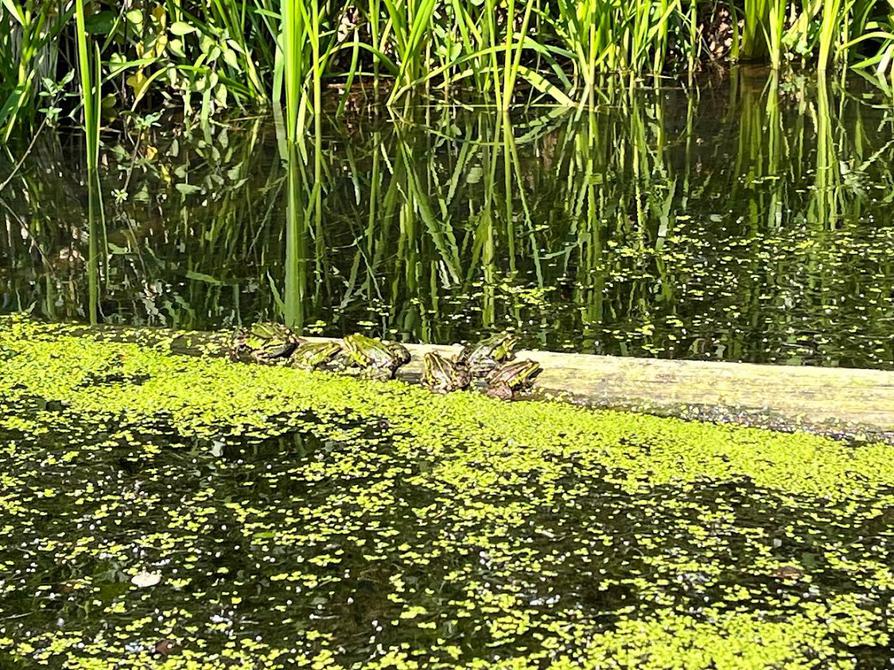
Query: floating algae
[[297, 519]]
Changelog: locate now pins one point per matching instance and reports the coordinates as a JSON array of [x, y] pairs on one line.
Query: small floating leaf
[[145, 580]]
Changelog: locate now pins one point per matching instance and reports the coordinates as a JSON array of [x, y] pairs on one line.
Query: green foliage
[[209, 55], [89, 71], [748, 226], [30, 42]]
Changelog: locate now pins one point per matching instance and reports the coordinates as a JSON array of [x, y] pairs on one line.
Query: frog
[[510, 378], [400, 352], [265, 342], [484, 356], [376, 358], [443, 375], [314, 355]]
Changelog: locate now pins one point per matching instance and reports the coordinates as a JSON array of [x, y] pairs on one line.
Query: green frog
[[443, 375], [265, 342], [314, 355], [484, 356], [510, 378], [376, 358]]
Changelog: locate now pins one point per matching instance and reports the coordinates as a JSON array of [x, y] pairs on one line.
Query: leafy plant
[[211, 55]]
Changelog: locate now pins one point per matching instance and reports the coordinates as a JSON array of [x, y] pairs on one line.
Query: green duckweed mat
[[162, 511]]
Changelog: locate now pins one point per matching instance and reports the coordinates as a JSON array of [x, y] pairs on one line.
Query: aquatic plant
[[193, 511], [744, 223], [91, 87], [242, 52]]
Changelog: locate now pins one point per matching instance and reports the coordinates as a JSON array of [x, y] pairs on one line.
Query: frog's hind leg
[[500, 391], [379, 374]]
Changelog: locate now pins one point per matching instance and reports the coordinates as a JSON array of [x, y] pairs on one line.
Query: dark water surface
[[284, 544], [740, 221]]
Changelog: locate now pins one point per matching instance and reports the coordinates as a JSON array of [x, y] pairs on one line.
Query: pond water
[[747, 220], [161, 509]]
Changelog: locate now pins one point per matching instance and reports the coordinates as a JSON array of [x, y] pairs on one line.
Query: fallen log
[[852, 403]]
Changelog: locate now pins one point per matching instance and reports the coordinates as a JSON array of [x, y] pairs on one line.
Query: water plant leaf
[[145, 580], [188, 189], [539, 82], [181, 28]]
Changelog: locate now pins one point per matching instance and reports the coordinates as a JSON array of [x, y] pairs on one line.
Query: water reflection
[[743, 221]]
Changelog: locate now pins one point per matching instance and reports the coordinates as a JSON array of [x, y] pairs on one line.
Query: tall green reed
[[294, 37], [90, 79], [89, 70], [252, 51]]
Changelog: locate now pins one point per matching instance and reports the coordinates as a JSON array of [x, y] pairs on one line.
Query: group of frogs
[[491, 360]]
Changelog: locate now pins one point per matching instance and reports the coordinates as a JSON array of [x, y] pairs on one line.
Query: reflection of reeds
[[598, 223]]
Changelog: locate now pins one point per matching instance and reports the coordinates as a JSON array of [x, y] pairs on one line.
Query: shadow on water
[[745, 221]]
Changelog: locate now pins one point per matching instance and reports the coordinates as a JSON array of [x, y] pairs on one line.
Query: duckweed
[[299, 519]]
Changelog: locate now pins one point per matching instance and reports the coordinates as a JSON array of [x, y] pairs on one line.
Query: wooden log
[[834, 401]]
